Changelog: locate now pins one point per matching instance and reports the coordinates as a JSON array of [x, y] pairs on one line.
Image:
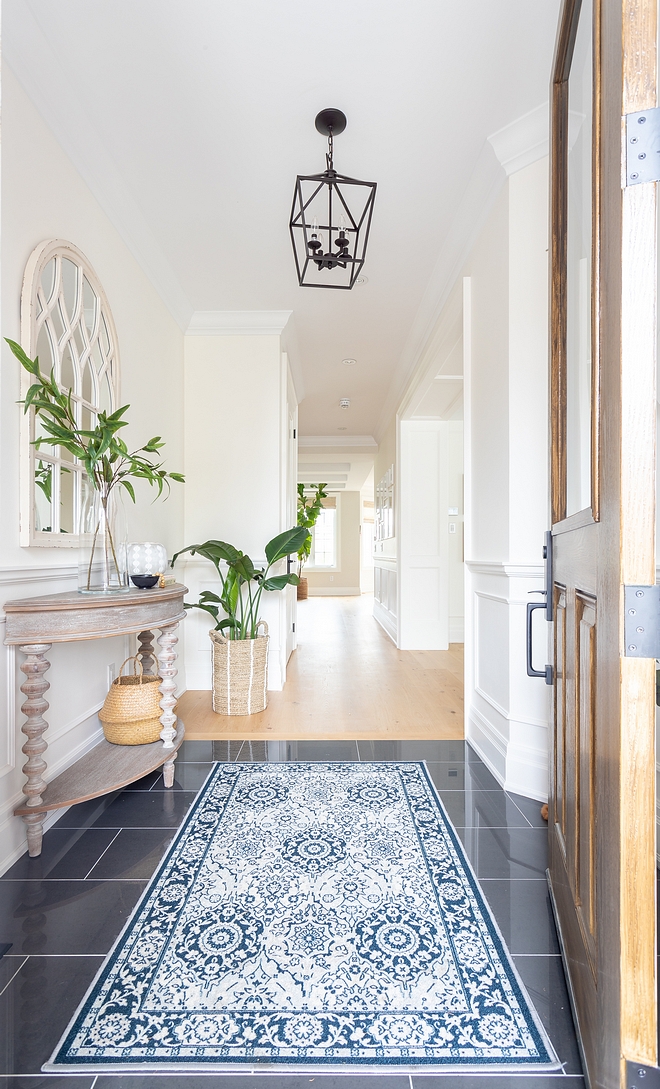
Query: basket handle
[[264, 625], [136, 662]]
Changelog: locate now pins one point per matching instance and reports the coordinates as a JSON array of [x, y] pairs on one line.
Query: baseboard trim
[[386, 621], [480, 732]]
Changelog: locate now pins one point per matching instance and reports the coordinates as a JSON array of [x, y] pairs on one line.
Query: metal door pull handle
[[546, 673]]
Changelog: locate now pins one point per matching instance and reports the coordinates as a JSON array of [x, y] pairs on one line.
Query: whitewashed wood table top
[[60, 618]]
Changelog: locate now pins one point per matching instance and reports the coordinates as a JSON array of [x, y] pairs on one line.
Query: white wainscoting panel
[[491, 664], [507, 713], [385, 594]]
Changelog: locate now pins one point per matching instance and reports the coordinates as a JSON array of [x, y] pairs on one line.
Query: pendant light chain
[[330, 153]]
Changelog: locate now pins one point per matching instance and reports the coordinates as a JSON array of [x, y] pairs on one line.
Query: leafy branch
[[105, 456]]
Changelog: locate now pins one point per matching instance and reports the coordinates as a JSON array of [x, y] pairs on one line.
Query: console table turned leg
[[168, 771], [146, 653], [167, 641], [34, 667]]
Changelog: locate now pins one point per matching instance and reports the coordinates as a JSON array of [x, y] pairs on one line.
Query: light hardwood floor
[[347, 680]]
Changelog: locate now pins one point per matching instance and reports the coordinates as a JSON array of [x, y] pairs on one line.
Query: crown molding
[[229, 323], [337, 440], [523, 141]]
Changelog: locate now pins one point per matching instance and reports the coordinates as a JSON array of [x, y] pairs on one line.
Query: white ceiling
[[191, 120]]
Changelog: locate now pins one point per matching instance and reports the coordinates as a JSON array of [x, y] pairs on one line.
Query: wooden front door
[[602, 805]]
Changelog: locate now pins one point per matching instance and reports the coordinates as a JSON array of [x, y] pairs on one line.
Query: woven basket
[[131, 711], [240, 673], [301, 590]]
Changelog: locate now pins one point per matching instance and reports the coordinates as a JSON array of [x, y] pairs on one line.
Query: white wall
[[456, 546], [507, 713], [385, 552], [236, 428], [423, 536], [367, 528], [430, 557], [44, 197]]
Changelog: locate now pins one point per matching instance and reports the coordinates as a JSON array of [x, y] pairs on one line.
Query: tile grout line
[[11, 980], [71, 880], [496, 827], [519, 809], [129, 827], [102, 854]]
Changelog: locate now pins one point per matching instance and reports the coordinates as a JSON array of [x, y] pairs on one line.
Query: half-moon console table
[[33, 625]]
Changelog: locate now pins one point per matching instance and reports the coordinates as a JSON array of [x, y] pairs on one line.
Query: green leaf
[[243, 566], [116, 414], [215, 551], [212, 610], [208, 595], [285, 544], [31, 365], [229, 622], [129, 488], [278, 582]]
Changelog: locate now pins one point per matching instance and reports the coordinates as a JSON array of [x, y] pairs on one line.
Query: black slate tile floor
[[63, 911]]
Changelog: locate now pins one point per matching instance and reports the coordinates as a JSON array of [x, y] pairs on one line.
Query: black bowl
[[145, 582]]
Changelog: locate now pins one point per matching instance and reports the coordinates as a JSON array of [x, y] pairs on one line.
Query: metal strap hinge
[[641, 627], [643, 146], [641, 1076]]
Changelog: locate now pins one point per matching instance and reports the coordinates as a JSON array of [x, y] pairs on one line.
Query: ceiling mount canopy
[[330, 218]]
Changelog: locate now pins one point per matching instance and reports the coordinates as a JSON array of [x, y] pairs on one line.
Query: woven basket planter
[[301, 590], [131, 712], [240, 673]]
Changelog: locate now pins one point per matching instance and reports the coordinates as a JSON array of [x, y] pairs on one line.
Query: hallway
[[347, 680]]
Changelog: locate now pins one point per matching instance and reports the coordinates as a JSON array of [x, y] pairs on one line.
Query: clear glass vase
[[102, 565]]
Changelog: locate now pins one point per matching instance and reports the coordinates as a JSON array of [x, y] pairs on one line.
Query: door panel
[[585, 698], [560, 731], [602, 803]]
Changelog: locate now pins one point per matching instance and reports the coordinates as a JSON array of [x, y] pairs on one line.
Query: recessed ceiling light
[[349, 362], [362, 280], [345, 403]]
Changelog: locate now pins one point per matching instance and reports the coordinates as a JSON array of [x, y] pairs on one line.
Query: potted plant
[[109, 466], [240, 653], [309, 508]]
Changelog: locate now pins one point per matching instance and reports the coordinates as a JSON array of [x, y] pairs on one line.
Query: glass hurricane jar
[[102, 565], [147, 558]]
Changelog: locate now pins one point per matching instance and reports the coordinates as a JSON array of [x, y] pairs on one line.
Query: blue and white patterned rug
[[316, 917]]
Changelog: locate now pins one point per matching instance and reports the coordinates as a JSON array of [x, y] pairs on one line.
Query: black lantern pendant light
[[330, 218]]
